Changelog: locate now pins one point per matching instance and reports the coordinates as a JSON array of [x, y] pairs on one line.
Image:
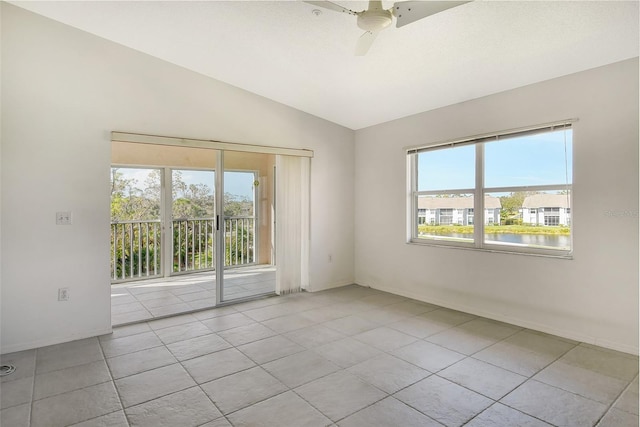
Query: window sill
[[501, 249]]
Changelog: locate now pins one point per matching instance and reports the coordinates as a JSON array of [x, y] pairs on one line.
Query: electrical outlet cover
[[63, 218], [63, 294]]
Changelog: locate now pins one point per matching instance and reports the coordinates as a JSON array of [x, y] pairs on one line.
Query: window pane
[[540, 159], [447, 168], [239, 191], [446, 217], [193, 194], [135, 194], [530, 219]]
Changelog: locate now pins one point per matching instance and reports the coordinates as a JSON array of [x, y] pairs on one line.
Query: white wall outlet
[[63, 218], [63, 294]]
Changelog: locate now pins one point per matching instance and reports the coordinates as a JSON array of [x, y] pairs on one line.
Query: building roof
[[546, 201], [456, 202]]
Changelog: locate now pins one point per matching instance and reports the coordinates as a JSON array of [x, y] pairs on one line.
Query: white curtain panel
[[292, 224]]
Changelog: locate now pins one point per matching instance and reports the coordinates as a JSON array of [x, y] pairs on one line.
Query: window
[[520, 180], [446, 216], [551, 220]]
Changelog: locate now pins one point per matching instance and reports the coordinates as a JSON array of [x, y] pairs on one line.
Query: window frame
[[479, 192]]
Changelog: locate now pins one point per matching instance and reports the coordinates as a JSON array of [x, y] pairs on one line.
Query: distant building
[[456, 210], [546, 209]]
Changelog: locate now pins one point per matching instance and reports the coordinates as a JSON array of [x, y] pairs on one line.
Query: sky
[[237, 183], [520, 161]]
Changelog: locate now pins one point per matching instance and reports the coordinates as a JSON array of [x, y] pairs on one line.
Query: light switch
[[63, 218]]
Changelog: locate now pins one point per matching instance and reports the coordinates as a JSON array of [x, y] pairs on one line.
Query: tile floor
[[149, 299], [346, 357]]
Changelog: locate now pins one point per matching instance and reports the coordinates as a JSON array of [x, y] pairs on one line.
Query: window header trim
[[510, 133], [208, 144]]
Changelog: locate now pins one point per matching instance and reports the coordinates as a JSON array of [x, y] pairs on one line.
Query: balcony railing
[[135, 250], [239, 235], [136, 246], [193, 246]]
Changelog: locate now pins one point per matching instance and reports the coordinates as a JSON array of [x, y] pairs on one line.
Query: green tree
[[128, 202], [235, 205], [511, 205], [193, 200]]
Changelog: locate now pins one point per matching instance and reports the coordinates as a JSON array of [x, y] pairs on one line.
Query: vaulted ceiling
[[284, 51]]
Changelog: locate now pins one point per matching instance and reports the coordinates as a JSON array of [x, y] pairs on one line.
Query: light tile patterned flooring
[[154, 298], [347, 357]]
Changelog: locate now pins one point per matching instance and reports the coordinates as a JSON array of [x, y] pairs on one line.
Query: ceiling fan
[[376, 18]]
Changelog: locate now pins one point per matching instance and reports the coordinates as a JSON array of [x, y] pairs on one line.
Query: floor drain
[[7, 370]]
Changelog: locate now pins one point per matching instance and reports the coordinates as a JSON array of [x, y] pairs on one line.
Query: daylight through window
[[507, 192]]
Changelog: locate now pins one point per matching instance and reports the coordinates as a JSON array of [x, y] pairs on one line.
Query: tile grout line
[[325, 415], [611, 407], [149, 370], [33, 385], [33, 400], [80, 388], [530, 376], [465, 358], [497, 402], [257, 402], [558, 388], [223, 415], [342, 369], [292, 389], [113, 383], [199, 385]]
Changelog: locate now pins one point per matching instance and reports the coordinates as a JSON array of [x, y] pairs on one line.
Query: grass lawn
[[493, 229]]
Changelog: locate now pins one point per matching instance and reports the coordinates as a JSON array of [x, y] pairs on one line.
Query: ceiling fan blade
[[364, 43], [332, 6], [407, 12]]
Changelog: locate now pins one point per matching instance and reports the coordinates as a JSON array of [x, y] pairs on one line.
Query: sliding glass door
[[193, 215], [246, 225], [199, 222]]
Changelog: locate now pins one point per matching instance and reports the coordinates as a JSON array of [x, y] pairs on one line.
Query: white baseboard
[[52, 341], [569, 334], [331, 286]]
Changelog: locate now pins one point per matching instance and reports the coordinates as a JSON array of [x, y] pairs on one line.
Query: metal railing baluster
[[206, 244], [235, 235], [146, 248], [242, 240], [193, 246], [131, 250], [179, 246], [123, 269], [155, 249], [199, 244], [139, 228], [114, 264]]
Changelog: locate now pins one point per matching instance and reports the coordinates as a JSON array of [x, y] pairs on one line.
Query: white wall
[[592, 298], [63, 91]]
